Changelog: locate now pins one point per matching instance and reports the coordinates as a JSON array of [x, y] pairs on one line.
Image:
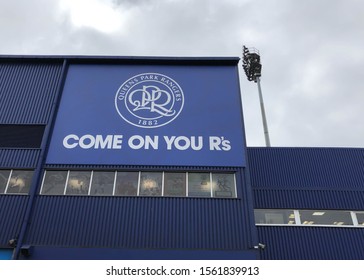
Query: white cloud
[[97, 14], [312, 52]]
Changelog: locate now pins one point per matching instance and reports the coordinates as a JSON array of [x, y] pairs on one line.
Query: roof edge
[[125, 59]]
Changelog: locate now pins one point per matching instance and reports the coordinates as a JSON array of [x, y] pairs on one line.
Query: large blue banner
[[175, 115]]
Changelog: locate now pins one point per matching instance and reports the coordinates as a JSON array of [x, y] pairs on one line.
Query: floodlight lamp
[[251, 63]]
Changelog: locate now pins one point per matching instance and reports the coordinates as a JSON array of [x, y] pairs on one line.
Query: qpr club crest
[[149, 100]]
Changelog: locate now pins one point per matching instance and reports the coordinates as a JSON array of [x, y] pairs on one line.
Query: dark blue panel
[[56, 253], [309, 168], [19, 158], [140, 222], [12, 208], [311, 199], [325, 243], [299, 178], [27, 91]]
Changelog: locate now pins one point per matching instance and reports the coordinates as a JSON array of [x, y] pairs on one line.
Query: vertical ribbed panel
[[325, 243], [315, 168], [19, 158], [27, 91], [309, 199], [139, 222], [12, 208]]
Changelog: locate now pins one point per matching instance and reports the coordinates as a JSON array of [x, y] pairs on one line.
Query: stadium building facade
[[145, 158]]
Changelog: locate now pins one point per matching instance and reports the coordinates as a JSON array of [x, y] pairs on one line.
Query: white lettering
[[183, 142], [67, 145], [139, 143], [118, 140], [151, 142], [89, 141], [169, 141], [216, 143], [194, 146], [87, 138], [102, 143]]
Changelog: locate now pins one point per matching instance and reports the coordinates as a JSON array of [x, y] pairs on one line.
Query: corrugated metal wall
[[309, 178], [139, 222], [19, 158], [313, 168], [27, 91], [309, 243], [315, 178], [309, 199], [12, 208]]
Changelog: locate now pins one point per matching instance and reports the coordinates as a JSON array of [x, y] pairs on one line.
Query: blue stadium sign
[[174, 115]]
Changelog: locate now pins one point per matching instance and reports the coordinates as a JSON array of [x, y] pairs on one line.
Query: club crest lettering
[[149, 100]]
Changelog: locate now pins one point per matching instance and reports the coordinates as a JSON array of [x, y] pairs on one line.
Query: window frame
[[12, 170], [299, 223], [187, 175]]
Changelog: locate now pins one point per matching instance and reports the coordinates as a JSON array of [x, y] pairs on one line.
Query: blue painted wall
[[190, 227], [308, 178]]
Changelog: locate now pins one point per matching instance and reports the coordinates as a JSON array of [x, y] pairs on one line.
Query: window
[[174, 184], [360, 218], [78, 182], [276, 217], [4, 178], [150, 184], [223, 185], [54, 182], [325, 217], [102, 183], [15, 181], [21, 136], [135, 183], [336, 218], [127, 183], [199, 184]]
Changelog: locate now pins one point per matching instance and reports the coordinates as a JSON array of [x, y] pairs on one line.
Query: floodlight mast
[[253, 71]]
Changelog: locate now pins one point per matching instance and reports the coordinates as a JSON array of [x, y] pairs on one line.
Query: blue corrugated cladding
[[318, 178], [27, 91], [139, 222], [308, 178], [12, 209], [19, 158], [309, 243]]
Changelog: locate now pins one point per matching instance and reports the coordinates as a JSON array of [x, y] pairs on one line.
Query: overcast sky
[[312, 52]]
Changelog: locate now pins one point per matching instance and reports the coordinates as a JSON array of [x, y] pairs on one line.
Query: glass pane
[[151, 183], [199, 185], [4, 177], [325, 217], [175, 184], [274, 217], [360, 218], [54, 182], [223, 185], [20, 181], [127, 183], [102, 183], [78, 182]]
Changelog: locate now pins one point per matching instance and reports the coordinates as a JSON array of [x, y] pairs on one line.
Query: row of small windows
[[138, 183], [308, 217], [15, 181]]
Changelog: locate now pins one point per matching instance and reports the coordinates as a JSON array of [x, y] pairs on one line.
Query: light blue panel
[[178, 115], [5, 254]]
